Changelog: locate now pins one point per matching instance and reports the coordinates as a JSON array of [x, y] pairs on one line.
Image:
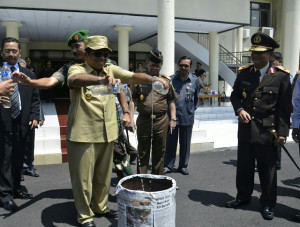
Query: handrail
[[232, 59], [229, 59]]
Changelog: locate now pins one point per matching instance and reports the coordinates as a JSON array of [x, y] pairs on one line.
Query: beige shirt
[[142, 95], [93, 120]]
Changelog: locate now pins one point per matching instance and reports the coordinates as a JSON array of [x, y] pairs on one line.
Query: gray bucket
[[152, 203]]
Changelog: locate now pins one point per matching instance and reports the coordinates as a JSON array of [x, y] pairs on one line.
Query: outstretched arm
[[43, 83]]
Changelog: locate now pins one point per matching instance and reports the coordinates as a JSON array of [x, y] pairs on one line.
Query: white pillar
[[166, 34], [240, 39], [290, 34], [214, 60], [12, 28], [123, 45]]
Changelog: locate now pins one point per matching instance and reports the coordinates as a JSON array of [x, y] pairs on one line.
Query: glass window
[[260, 14]]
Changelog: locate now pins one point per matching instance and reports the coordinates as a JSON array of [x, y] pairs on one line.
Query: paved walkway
[[200, 199]]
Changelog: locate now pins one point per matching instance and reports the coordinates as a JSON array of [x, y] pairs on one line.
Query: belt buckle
[[153, 116]]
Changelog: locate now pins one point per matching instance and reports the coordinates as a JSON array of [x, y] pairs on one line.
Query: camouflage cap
[[96, 42], [262, 42], [155, 56], [78, 36]]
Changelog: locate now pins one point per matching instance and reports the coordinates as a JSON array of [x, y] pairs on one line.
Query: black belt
[[154, 116]]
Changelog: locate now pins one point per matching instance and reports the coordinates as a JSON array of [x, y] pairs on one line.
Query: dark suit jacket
[[269, 104], [30, 103]]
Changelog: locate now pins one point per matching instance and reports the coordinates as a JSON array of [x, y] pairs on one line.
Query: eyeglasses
[[184, 66], [99, 54], [259, 52], [7, 51]]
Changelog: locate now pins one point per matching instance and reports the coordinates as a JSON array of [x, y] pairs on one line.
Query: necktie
[[256, 78], [15, 104]]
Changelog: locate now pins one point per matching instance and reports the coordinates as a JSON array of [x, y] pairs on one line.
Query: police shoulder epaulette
[[79, 64], [244, 67], [107, 64], [167, 77], [283, 69]]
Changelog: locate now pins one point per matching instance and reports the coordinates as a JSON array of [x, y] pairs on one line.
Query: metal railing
[[232, 59], [229, 59]]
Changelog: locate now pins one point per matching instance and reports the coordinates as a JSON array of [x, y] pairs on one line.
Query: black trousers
[[29, 149], [11, 161], [265, 156]]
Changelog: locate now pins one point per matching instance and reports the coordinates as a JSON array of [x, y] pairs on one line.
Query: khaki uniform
[[142, 95], [92, 128]]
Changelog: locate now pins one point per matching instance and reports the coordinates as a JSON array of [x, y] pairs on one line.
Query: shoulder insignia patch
[[283, 69], [244, 67], [167, 77]]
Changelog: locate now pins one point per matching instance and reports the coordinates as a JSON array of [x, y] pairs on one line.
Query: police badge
[[244, 94]]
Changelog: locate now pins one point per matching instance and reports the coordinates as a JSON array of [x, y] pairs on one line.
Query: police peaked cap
[[262, 42], [155, 56]]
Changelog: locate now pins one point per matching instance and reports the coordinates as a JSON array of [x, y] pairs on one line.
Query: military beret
[[96, 42], [77, 36], [262, 42], [155, 56]]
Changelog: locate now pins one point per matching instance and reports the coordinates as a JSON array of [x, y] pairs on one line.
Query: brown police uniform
[[268, 103], [142, 95]]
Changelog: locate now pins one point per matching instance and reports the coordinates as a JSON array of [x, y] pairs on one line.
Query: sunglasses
[[7, 51], [184, 66], [99, 54]]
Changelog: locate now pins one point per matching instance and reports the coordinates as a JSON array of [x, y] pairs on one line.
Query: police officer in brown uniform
[[261, 99], [153, 121]]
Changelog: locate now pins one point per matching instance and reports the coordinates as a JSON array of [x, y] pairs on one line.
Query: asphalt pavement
[[199, 201]]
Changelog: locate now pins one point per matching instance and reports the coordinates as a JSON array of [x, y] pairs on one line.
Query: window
[[260, 14]]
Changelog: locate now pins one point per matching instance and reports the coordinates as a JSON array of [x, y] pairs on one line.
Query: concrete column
[[214, 60], [12, 28], [239, 39], [290, 34], [24, 47], [166, 34], [123, 45]]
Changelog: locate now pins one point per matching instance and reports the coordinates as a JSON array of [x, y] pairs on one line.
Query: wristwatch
[[126, 111], [173, 119], [150, 80]]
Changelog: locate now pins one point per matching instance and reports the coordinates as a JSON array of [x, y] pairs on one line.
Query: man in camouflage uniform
[[153, 121], [75, 42]]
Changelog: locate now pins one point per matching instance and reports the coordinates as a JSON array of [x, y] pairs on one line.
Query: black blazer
[[30, 103], [269, 104]]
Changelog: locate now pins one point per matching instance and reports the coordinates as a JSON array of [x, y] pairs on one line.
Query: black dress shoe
[[22, 195], [183, 171], [10, 206], [89, 224], [23, 189], [109, 214], [267, 213], [167, 170], [236, 203], [297, 217], [30, 172]]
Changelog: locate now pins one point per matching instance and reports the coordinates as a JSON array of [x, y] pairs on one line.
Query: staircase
[[62, 108], [196, 46], [47, 138]]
